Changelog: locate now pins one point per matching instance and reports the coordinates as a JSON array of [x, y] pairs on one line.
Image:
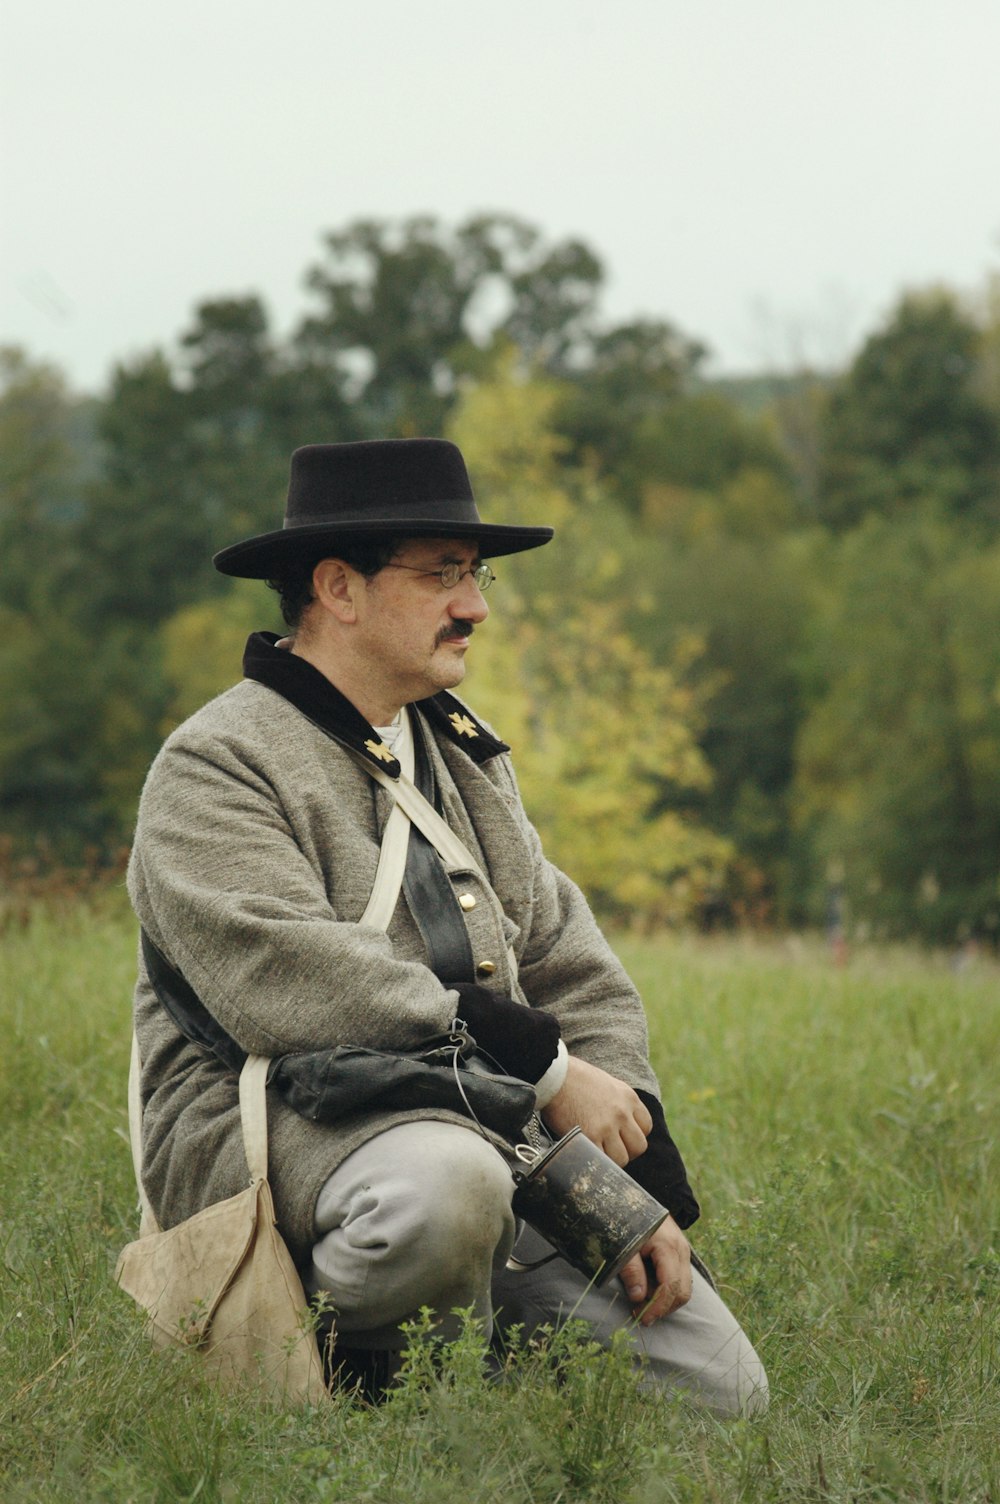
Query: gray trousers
[[421, 1216]]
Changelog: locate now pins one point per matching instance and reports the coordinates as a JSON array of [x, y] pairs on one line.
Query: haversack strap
[[253, 1114]]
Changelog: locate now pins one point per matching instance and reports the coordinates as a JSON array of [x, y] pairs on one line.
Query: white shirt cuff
[[547, 1086]]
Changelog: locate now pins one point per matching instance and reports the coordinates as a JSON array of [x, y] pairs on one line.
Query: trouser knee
[[420, 1216], [459, 1206]]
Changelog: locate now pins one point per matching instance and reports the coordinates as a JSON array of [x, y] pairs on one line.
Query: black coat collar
[[312, 693]]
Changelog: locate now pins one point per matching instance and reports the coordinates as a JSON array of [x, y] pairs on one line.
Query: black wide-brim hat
[[413, 488]]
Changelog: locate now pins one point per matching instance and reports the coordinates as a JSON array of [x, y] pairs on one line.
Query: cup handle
[[518, 1267]]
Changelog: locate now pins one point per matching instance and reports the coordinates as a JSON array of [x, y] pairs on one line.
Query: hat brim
[[263, 557]]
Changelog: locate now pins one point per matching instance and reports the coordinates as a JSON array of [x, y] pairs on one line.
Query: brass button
[[486, 968], [466, 901]]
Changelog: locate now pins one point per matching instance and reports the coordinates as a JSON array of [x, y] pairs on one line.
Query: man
[[256, 852]]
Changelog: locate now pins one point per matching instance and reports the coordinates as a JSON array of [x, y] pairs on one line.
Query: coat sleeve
[[223, 879], [567, 967]]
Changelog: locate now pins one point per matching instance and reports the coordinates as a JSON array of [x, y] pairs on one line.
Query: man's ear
[[335, 586]]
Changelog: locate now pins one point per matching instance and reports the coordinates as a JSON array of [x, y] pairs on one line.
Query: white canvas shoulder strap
[[409, 805], [253, 1114], [395, 841], [408, 798]]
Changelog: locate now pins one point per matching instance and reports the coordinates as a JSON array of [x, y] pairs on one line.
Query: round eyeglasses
[[451, 575]]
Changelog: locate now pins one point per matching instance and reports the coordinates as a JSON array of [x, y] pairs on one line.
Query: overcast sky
[[767, 174]]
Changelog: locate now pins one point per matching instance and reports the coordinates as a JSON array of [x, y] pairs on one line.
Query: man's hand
[[669, 1253], [609, 1112]]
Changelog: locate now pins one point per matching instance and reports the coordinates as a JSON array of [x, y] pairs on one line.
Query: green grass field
[[841, 1127]]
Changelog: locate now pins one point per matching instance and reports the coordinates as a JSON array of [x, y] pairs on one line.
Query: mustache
[[454, 629]]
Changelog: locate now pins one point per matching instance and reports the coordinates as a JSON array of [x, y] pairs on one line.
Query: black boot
[[368, 1372]]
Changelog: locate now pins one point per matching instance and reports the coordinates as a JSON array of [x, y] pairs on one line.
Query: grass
[[841, 1127]]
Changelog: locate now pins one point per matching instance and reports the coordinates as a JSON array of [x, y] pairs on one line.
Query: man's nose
[[467, 603]]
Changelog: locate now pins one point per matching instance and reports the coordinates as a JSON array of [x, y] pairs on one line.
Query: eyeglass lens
[[451, 574]]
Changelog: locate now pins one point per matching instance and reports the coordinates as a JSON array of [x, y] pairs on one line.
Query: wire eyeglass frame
[[451, 575]]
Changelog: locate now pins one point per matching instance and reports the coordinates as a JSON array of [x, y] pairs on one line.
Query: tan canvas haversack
[[223, 1282]]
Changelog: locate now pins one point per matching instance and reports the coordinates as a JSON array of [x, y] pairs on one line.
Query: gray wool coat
[[254, 857]]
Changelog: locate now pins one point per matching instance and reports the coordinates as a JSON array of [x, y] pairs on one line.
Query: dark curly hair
[[366, 554]]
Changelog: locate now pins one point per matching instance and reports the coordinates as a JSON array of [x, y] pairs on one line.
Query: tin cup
[[578, 1199]]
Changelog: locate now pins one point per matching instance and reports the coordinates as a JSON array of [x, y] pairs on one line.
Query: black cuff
[[523, 1041], [660, 1171]]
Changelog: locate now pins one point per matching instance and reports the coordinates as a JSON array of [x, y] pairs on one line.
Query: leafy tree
[[625, 381], [251, 401], [54, 762], [908, 421], [988, 372], [725, 569], [597, 726], [45, 458], [899, 760], [202, 645], [702, 442], [407, 308], [196, 456], [147, 530], [78, 731], [242, 416]]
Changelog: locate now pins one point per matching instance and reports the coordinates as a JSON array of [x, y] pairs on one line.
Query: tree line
[[757, 677]]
